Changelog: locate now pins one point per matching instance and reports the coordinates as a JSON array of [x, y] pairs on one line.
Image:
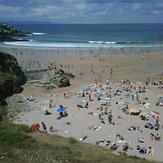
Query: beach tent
[[60, 110], [143, 114], [35, 127], [134, 111]]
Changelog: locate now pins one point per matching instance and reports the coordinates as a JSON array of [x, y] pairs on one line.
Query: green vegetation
[[5, 27], [5, 76]]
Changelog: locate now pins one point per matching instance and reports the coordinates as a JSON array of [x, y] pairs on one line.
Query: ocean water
[[131, 36]]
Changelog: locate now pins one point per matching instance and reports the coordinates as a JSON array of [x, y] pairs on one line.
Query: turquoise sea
[[117, 36]]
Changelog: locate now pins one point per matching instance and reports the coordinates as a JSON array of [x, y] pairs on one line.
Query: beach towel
[[83, 138], [45, 101], [59, 131]]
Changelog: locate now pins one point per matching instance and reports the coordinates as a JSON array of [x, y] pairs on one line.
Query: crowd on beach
[[109, 105], [125, 96]]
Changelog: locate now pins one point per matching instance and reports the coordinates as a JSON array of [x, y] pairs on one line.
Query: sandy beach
[[119, 80]]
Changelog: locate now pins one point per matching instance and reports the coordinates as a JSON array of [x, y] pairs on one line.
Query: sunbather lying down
[[114, 146], [94, 127], [83, 137]]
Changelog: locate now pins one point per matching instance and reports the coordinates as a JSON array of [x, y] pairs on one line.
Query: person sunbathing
[[157, 137], [51, 129], [125, 147], [47, 113], [150, 151], [107, 144], [152, 136], [141, 140], [99, 142], [114, 146]]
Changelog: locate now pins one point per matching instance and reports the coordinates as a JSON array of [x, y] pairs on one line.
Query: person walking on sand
[[44, 126]]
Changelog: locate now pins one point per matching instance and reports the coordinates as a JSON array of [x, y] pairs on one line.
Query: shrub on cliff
[[11, 76]]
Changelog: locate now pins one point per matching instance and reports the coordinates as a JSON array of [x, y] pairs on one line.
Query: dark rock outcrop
[[55, 78], [11, 76], [7, 33]]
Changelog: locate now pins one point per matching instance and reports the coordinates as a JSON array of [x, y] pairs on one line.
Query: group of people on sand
[[153, 82], [107, 144], [155, 126], [143, 150], [154, 137], [105, 111], [135, 128]]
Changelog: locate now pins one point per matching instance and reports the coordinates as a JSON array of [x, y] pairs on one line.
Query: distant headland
[[7, 33]]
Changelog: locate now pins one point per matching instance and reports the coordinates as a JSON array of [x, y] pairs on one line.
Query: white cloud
[[156, 12], [71, 1], [101, 12], [136, 6], [46, 10], [80, 6], [9, 9]]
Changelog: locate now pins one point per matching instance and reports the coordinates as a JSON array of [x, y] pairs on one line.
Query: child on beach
[[44, 126]]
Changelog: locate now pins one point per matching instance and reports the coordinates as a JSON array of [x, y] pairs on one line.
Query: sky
[[82, 11]]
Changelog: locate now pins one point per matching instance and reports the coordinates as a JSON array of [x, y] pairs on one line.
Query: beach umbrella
[[143, 114], [86, 89], [133, 110], [35, 127], [60, 110]]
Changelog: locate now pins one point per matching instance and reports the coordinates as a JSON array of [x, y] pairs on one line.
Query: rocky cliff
[[7, 33], [11, 76]]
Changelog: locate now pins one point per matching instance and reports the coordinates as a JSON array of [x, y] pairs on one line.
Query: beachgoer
[[125, 147], [44, 126], [102, 121], [47, 113], [150, 151], [86, 105]]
